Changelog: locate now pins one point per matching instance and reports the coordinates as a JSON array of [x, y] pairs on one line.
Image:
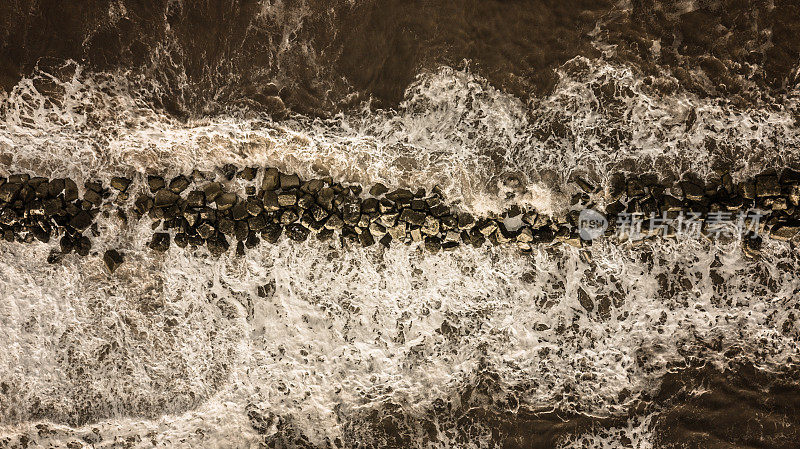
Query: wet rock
[[93, 197], [53, 206], [288, 216], [225, 201], [272, 232], [160, 242], [317, 213], [325, 235], [325, 198], [179, 184], [239, 211], [784, 231], [334, 223], [252, 240], [70, 190], [400, 196], [366, 238], [248, 173], [289, 181], [767, 185], [120, 184], [181, 239], [83, 245], [81, 221], [212, 190], [297, 232], [56, 187], [228, 171], [431, 226], [585, 300], [486, 227], [287, 199], [692, 191], [206, 230], [378, 189], [254, 206], [433, 244], [465, 221], [240, 230], [9, 191], [270, 201], [155, 183], [386, 240], [257, 223], [388, 219], [217, 245], [196, 198], [226, 226], [112, 259], [413, 217], [271, 179], [165, 198], [351, 212]]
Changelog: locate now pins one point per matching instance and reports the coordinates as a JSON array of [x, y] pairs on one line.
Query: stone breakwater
[[204, 209]]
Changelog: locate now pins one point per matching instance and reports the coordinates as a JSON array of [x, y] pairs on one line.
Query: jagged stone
[[181, 239], [9, 191], [416, 234], [120, 184], [271, 179], [287, 199], [272, 232], [692, 191], [240, 230], [56, 186], [112, 260], [313, 186], [288, 216], [252, 240], [206, 230], [433, 244], [228, 171], [225, 201], [386, 240], [297, 232], [83, 245], [584, 300], [239, 211], [217, 245], [351, 212], [289, 181], [783, 231], [165, 198], [325, 235], [257, 223], [418, 204], [334, 223], [81, 221], [431, 226], [767, 185], [270, 201], [196, 198], [70, 190], [226, 226], [366, 238], [378, 189], [155, 183], [413, 217], [325, 198], [400, 196], [212, 190], [248, 173], [179, 184]]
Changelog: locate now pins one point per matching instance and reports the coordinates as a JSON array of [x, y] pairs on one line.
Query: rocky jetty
[[201, 209]]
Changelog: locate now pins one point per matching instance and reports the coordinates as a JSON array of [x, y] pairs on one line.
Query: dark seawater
[[485, 98]]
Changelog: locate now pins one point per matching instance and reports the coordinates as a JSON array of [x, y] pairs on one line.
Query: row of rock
[[205, 209]]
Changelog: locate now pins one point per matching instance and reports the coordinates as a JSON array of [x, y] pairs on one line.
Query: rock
[[351, 212], [487, 227], [226, 226], [585, 300], [191, 218], [155, 183], [325, 235], [252, 240], [366, 238], [784, 231], [525, 235], [289, 181], [431, 226], [254, 206], [794, 195], [56, 186], [70, 190], [440, 210], [584, 185], [386, 240], [287, 199], [206, 230], [412, 217], [270, 201], [385, 206], [9, 191], [228, 171], [433, 244], [388, 219], [692, 191], [225, 201], [81, 221], [370, 205], [271, 179], [240, 248], [217, 245], [272, 232], [93, 197], [334, 223], [181, 240], [318, 213], [165, 198], [378, 189], [325, 198], [313, 186], [112, 258], [212, 190], [179, 183], [416, 235], [288, 216], [257, 223], [465, 221], [248, 173], [767, 185], [305, 201], [297, 232], [196, 198], [240, 230], [418, 204], [400, 196], [120, 184], [239, 211], [53, 206], [160, 242], [83, 245]]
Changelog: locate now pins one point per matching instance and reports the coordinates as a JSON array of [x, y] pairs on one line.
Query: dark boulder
[[160, 242], [297, 232], [112, 260], [155, 183]]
